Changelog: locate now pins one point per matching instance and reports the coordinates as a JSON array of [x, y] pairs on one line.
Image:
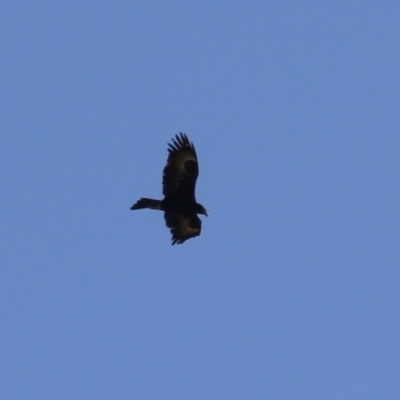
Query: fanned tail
[[147, 203]]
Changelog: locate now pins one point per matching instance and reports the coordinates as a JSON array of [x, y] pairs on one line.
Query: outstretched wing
[[181, 171], [182, 227]]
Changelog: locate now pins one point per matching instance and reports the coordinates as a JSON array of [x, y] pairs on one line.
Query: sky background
[[292, 291]]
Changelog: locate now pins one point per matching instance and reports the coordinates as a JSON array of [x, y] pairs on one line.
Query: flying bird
[[179, 182]]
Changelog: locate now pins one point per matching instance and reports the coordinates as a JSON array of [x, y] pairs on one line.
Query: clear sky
[[292, 291]]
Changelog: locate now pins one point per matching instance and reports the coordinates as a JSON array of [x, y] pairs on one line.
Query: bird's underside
[[179, 181]]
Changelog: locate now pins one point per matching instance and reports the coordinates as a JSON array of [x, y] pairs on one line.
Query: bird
[[179, 182]]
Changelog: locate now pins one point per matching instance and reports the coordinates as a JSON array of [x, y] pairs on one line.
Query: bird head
[[201, 210]]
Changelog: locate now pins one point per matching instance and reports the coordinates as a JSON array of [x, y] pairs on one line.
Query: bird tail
[[147, 203]]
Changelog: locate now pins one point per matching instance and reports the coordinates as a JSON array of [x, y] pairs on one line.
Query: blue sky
[[292, 289]]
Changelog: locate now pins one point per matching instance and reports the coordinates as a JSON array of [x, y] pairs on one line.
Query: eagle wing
[[182, 226], [182, 169]]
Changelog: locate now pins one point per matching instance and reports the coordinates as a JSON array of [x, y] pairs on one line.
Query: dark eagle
[[179, 182]]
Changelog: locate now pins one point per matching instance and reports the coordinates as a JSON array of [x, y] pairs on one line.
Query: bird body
[[179, 182]]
